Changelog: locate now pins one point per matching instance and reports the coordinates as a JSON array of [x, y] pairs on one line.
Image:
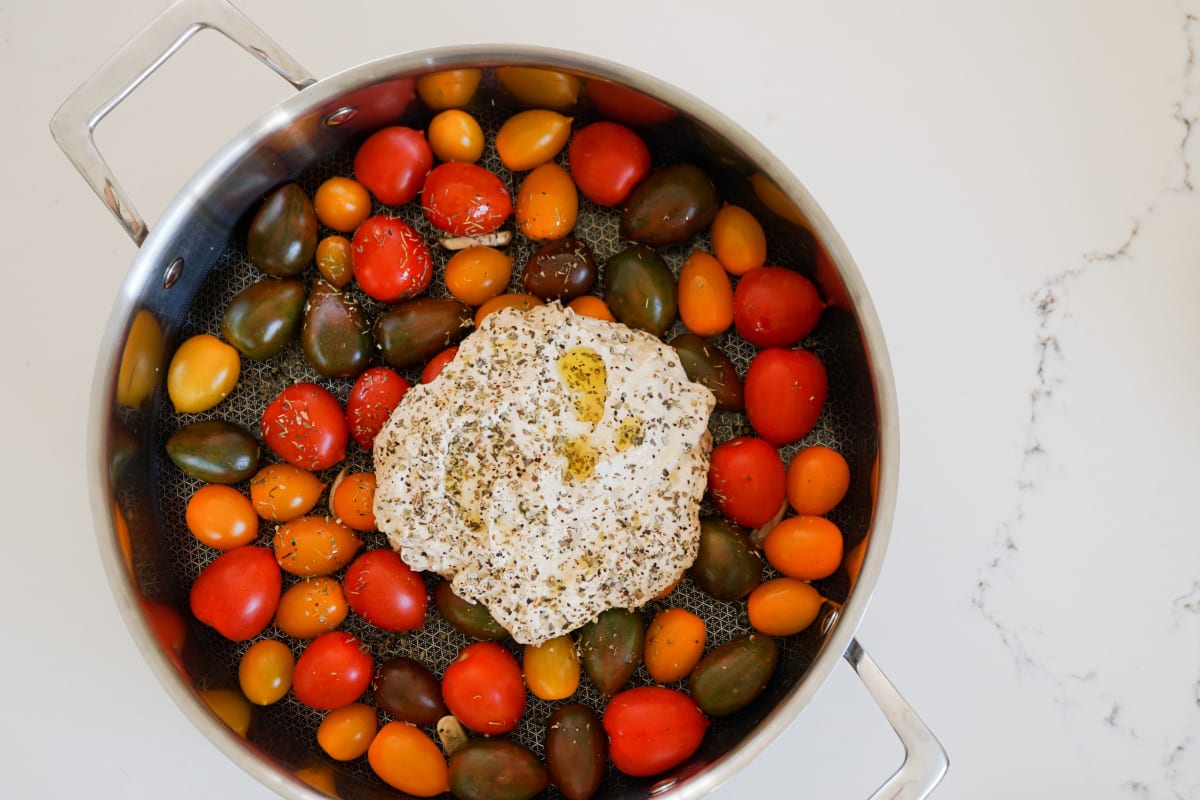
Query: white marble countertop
[[1018, 183]]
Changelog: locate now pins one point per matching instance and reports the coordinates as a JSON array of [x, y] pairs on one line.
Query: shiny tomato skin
[[437, 364], [785, 392], [237, 594], [747, 480], [607, 160], [775, 307], [373, 398], [306, 427], [651, 729], [392, 163], [484, 689], [385, 591], [333, 671], [465, 199], [391, 260]]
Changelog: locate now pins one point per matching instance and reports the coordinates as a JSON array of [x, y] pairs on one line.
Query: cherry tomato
[[477, 274], [311, 607], [455, 135], [450, 88], [627, 105], [221, 517], [391, 260], [203, 371], [674, 644], [483, 688], [392, 163], [651, 729], [373, 398], [265, 672], [547, 203], [785, 391], [342, 203], [705, 295], [352, 500], [804, 547], [552, 670], [310, 546], [385, 591], [465, 199], [747, 480], [237, 594], [531, 138], [783, 606], [305, 426], [335, 260], [281, 492], [230, 706], [437, 364], [738, 240], [405, 758], [535, 86], [817, 480], [347, 732], [406, 689], [607, 160], [591, 306], [333, 671], [517, 300], [775, 307]]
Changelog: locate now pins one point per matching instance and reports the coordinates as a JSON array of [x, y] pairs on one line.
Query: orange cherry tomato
[[311, 546], [342, 203], [221, 517], [674, 644], [540, 87], [230, 706], [454, 135], [531, 138], [265, 672], [705, 295], [524, 302], [804, 547], [552, 668], [334, 260], [477, 274], [547, 203], [351, 500], [311, 607], [404, 757], [347, 732], [783, 606], [450, 88], [738, 240], [282, 492], [817, 480], [591, 306]]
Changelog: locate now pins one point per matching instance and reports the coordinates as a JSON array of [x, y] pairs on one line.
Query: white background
[[1016, 181]]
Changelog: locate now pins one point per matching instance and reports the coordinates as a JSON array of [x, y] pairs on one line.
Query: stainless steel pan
[[194, 260]]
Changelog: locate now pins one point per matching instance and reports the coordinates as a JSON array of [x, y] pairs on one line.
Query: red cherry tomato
[[607, 160], [392, 163], [747, 480], [483, 688], [775, 307], [626, 105], [306, 427], [238, 593], [391, 260], [437, 364], [333, 671], [784, 391], [385, 591], [372, 400], [651, 729], [465, 199]]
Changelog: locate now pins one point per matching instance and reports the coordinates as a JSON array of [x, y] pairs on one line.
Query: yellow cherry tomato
[[591, 306], [738, 240], [281, 492], [232, 708], [674, 644], [540, 87], [265, 672], [334, 261], [477, 274], [342, 203], [524, 302], [705, 295], [140, 361], [547, 203], [454, 135], [452, 88], [405, 758], [311, 607], [203, 372], [532, 137], [552, 668], [222, 517], [346, 733]]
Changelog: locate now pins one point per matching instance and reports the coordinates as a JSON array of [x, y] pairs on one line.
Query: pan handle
[[74, 124], [925, 760]]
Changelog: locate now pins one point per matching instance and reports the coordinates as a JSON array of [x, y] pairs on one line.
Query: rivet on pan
[[172, 272], [830, 618], [663, 785], [343, 114]]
